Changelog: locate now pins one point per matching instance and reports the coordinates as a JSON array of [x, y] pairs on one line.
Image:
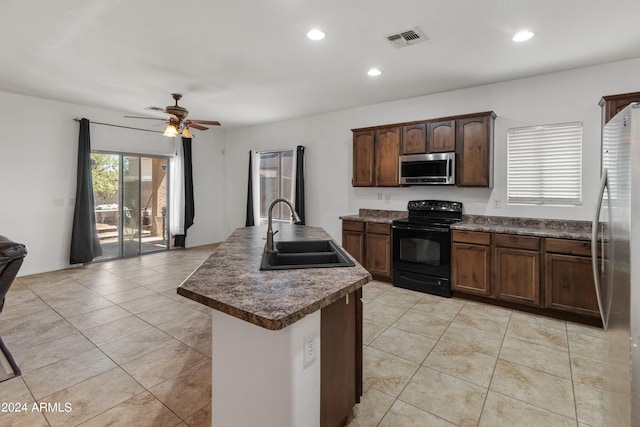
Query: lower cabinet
[[353, 239], [471, 262], [569, 279], [378, 250], [552, 275], [517, 269], [340, 359], [370, 244]]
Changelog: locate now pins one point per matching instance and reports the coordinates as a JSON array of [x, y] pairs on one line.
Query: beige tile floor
[[116, 342]]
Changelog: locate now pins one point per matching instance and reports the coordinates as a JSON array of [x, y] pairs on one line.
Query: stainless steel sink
[[305, 254]]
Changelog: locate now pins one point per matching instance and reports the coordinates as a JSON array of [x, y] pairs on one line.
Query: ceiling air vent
[[405, 38]]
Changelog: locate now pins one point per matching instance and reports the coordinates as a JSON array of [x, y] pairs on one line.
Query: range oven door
[[422, 258]]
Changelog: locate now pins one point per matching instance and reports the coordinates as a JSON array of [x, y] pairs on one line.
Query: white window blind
[[544, 165]]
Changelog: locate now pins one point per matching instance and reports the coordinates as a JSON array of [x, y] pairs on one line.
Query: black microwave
[[428, 169]]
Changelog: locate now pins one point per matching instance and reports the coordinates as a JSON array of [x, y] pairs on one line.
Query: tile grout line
[[493, 372], [420, 365], [145, 389]]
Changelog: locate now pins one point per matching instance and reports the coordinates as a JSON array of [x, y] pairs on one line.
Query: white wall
[[39, 148], [38, 157], [552, 98]]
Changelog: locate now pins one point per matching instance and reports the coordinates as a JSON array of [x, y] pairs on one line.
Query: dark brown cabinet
[[376, 150], [441, 136], [387, 153], [375, 157], [370, 244], [569, 279], [340, 359], [471, 262], [474, 146], [612, 104], [353, 239], [414, 139], [364, 158], [544, 275], [378, 250], [517, 269]]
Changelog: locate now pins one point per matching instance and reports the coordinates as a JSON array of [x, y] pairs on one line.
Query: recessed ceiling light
[[522, 36], [374, 72], [316, 34]]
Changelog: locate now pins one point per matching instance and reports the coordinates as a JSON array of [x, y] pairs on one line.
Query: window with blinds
[[544, 165]]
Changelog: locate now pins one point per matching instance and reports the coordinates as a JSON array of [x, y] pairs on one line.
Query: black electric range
[[422, 246]]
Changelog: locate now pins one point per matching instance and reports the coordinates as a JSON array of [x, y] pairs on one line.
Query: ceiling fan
[[177, 122]]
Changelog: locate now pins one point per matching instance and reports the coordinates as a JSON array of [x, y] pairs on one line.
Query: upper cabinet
[[375, 157], [612, 104], [441, 136], [474, 148], [414, 138], [387, 152], [376, 150], [363, 158]]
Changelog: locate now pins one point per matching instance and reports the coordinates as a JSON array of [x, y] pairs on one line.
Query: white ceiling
[[246, 62]]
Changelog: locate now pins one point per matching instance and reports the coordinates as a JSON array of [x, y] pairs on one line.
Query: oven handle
[[408, 227]]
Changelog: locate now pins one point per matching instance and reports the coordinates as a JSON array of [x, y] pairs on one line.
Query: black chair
[[11, 256]]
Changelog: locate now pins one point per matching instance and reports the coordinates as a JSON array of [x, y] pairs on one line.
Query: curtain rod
[[119, 126]]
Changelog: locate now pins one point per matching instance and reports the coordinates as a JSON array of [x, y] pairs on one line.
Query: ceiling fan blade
[[206, 122], [155, 109], [195, 126], [146, 118]]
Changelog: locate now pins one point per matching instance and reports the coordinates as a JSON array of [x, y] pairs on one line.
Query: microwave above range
[[428, 169]]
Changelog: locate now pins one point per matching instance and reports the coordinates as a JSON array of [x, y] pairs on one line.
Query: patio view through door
[[131, 203]]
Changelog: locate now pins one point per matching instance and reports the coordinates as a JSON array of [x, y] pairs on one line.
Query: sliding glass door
[[132, 235], [131, 197]]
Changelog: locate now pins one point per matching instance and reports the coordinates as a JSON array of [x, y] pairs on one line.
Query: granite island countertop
[[552, 228], [231, 281]]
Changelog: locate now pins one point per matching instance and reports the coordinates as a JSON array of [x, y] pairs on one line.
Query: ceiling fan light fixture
[[171, 130], [186, 132]]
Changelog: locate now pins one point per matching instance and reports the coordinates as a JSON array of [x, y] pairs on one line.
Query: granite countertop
[[230, 280], [553, 228], [376, 215]]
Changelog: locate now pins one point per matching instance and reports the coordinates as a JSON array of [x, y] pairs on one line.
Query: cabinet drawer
[[378, 228], [518, 242], [353, 225], [569, 247], [476, 237]]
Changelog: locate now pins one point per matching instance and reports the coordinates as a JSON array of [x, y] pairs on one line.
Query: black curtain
[[299, 205], [189, 204], [249, 220], [85, 244]]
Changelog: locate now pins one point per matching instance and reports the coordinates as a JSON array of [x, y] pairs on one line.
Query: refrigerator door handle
[[594, 249]]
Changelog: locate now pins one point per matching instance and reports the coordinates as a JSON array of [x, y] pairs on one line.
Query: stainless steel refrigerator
[[616, 232]]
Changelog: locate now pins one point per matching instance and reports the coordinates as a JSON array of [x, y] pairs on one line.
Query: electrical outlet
[[387, 199], [309, 350], [58, 202], [379, 196], [496, 204]]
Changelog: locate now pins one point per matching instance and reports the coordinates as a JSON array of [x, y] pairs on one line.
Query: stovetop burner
[[432, 212]]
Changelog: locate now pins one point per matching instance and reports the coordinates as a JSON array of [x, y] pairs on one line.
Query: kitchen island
[[273, 330]]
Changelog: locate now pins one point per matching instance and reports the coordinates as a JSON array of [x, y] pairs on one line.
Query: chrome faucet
[[270, 233]]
